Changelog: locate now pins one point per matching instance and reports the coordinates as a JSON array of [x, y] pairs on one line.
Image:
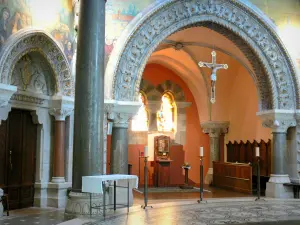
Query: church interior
[[137, 111]]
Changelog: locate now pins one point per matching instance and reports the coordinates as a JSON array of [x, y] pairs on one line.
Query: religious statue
[[215, 67], [165, 117]]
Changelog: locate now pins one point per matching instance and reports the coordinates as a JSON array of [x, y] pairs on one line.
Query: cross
[[215, 67]]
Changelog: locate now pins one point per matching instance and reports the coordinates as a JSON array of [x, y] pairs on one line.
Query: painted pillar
[[89, 93], [59, 144], [214, 129], [278, 121]]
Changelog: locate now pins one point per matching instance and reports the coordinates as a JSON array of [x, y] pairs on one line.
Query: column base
[[209, 176], [276, 189], [1, 205], [57, 194], [58, 180], [40, 195], [78, 204]]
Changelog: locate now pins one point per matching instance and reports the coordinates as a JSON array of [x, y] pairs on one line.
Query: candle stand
[[201, 181], [146, 184], [258, 180]]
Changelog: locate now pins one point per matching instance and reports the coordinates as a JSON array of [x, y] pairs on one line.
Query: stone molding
[[215, 128], [277, 83], [6, 91], [278, 120], [35, 40], [279, 179]]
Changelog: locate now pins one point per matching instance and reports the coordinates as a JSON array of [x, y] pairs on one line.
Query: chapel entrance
[[18, 135]]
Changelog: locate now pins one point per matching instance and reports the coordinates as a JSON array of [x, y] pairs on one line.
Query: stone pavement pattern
[[211, 213]]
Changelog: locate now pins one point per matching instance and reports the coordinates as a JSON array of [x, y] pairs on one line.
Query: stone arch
[[251, 30], [33, 40]]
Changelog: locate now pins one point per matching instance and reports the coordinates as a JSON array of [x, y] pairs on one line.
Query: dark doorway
[[18, 137]]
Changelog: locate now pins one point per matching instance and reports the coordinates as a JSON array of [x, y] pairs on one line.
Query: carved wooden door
[[18, 137]]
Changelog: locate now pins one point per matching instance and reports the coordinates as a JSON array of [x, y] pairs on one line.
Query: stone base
[[1, 206], [40, 195], [58, 180], [209, 176], [78, 204], [57, 194], [276, 189]]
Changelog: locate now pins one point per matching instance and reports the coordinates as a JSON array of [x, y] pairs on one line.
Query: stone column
[[278, 121], [89, 103], [59, 144], [214, 129]]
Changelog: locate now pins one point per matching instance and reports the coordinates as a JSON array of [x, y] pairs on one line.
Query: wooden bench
[[296, 188], [4, 199]]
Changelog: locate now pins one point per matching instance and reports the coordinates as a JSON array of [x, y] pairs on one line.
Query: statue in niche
[[140, 121], [165, 117]]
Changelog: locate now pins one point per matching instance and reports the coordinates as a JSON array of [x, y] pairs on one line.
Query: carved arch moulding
[[34, 40], [276, 79]]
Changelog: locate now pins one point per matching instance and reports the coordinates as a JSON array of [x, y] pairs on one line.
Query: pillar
[[119, 144], [278, 121], [57, 188], [214, 129], [89, 103]]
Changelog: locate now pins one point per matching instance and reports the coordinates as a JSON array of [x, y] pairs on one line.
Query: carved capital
[[60, 114], [278, 120], [215, 128], [121, 120]]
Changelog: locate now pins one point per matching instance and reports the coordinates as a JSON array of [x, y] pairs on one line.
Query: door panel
[[3, 156]]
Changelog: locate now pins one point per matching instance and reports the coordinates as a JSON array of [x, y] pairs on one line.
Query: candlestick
[[146, 151], [201, 151], [257, 151]]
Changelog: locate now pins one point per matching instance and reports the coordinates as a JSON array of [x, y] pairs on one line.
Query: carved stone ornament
[[247, 27], [33, 40], [60, 114], [278, 120], [121, 120], [215, 128], [26, 98]]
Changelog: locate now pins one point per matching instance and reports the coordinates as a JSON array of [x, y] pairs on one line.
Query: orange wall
[[156, 74]]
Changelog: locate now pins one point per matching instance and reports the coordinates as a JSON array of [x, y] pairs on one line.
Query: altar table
[[97, 185]]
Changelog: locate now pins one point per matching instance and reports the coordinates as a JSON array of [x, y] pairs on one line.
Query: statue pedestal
[[186, 178]]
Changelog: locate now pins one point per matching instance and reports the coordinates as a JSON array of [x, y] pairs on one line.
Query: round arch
[[34, 40], [244, 24]]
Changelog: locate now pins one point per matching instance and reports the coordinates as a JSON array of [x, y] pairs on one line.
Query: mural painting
[[56, 18]]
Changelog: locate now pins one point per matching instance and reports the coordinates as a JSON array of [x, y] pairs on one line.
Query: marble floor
[[181, 212]]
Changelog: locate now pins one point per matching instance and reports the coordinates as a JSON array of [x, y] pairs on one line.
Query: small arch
[[34, 40]]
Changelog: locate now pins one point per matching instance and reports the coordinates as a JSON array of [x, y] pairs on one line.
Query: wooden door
[[18, 134]]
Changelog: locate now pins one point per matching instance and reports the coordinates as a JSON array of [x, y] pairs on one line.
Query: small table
[[96, 185], [186, 178]]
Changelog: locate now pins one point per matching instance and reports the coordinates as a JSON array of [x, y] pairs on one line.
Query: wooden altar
[[162, 161]]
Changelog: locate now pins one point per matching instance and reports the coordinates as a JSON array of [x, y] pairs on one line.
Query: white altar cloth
[[93, 184]]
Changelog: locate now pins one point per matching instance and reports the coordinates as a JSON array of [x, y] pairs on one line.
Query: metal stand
[[201, 181], [145, 184], [258, 180]]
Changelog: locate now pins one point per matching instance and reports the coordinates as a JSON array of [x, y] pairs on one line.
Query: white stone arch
[[35, 40], [244, 24]]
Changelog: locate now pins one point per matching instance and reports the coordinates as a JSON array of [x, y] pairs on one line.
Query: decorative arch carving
[[33, 40], [278, 85]]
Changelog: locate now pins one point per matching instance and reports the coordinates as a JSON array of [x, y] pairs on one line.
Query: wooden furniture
[[18, 135], [235, 176], [162, 161]]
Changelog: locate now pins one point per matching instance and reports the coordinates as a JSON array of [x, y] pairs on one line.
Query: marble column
[[59, 144], [89, 103], [278, 121], [214, 129], [119, 144]]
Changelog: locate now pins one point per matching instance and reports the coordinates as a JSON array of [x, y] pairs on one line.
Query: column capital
[[215, 128], [60, 114], [278, 120]]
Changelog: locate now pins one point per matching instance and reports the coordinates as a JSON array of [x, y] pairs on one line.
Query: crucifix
[[213, 77]]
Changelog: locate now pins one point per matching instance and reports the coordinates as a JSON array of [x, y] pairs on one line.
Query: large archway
[[249, 29], [33, 40]]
